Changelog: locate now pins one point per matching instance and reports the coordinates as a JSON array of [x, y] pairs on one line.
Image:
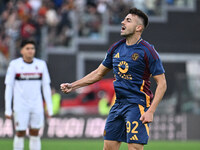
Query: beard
[[126, 35]]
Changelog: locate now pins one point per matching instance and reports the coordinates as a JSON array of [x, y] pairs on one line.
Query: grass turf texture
[[6, 144]]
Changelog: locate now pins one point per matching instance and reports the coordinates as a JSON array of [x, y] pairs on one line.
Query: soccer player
[[133, 61], [26, 77]]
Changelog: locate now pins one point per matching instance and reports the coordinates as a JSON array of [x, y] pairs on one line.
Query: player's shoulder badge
[[135, 56]]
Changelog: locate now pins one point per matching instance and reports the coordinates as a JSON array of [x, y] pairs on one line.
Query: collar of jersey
[[134, 45], [27, 62]]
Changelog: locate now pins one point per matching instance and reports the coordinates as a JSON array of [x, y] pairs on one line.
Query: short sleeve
[[10, 75], [107, 62], [155, 65]]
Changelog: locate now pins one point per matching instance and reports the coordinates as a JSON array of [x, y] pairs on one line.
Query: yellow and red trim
[[148, 99], [142, 112]]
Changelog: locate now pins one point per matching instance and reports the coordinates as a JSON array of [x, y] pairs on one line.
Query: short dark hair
[[25, 42], [141, 15]]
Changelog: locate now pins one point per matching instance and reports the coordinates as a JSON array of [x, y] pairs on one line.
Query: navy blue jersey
[[133, 66]]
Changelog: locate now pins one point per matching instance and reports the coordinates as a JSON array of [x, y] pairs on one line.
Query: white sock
[[18, 143], [34, 143]]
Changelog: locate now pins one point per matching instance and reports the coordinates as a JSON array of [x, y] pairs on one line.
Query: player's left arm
[[46, 89], [147, 117]]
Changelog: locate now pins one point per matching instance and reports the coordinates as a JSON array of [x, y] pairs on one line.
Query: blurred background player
[[103, 104], [25, 79], [56, 97], [133, 61], [56, 100]]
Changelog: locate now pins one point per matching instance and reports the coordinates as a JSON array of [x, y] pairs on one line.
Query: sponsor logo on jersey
[[123, 69], [135, 56], [28, 76], [123, 66]]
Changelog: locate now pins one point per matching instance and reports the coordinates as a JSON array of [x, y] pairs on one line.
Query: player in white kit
[[27, 77]]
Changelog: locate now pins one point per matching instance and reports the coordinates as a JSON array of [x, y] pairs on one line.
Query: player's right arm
[[9, 82], [91, 78], [8, 101]]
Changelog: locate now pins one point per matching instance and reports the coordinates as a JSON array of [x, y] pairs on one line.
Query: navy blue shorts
[[123, 123]]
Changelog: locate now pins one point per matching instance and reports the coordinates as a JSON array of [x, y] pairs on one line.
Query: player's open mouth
[[123, 28]]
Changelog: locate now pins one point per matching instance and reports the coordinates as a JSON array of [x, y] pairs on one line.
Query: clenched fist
[[66, 87]]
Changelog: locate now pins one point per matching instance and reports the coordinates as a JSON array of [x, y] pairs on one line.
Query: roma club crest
[[135, 56]]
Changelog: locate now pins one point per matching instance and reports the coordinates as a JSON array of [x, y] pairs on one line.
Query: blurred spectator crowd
[[22, 19]]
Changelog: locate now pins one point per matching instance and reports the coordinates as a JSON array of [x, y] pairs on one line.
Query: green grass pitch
[[6, 144]]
